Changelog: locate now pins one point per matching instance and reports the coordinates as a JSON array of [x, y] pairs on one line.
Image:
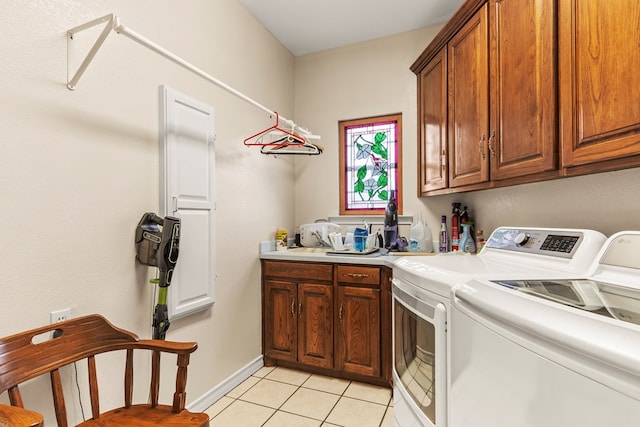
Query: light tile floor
[[280, 397]]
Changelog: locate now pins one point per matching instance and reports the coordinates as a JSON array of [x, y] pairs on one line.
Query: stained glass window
[[369, 163]]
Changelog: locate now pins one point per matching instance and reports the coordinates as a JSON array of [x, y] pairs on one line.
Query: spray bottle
[[455, 226], [444, 237]]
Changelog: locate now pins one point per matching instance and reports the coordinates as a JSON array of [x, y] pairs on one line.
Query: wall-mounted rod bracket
[[113, 23], [109, 19]]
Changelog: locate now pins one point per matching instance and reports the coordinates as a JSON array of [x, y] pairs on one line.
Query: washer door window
[[419, 349]]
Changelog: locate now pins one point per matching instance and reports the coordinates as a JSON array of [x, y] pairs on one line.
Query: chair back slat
[[58, 398], [93, 387], [128, 380], [15, 398], [155, 378]]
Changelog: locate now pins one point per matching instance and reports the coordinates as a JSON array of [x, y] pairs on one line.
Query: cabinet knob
[[293, 307], [358, 275], [341, 309]]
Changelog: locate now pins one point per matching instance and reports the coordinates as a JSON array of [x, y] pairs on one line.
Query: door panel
[[432, 156], [315, 334], [280, 320], [599, 63], [187, 175], [358, 348], [469, 102], [523, 86]]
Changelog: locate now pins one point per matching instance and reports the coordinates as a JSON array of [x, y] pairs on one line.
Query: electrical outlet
[[60, 315]]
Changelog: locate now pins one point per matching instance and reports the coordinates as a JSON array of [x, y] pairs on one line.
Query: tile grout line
[[235, 399], [298, 387], [282, 404], [279, 409]]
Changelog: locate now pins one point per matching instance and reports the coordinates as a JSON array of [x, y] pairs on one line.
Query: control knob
[[522, 239]]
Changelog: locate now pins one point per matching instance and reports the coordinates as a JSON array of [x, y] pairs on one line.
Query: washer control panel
[[558, 243]]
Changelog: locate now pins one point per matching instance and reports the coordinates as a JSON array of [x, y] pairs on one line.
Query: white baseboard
[[212, 396]]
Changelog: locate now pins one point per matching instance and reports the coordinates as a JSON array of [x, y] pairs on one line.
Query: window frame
[[343, 125]]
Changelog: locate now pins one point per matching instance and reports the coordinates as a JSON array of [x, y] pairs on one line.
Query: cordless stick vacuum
[[157, 243]]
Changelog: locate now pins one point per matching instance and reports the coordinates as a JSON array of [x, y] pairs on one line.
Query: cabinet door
[[432, 119], [522, 136], [315, 332], [358, 340], [280, 321], [599, 91], [468, 86]]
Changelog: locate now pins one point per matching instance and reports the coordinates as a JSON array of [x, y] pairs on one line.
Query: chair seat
[[146, 416]]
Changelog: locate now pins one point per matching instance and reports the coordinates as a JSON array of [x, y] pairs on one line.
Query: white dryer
[[550, 351]]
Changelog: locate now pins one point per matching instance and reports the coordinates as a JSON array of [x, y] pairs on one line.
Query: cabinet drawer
[[298, 270], [358, 274]]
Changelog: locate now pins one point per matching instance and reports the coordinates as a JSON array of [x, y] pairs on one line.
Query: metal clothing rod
[[113, 23]]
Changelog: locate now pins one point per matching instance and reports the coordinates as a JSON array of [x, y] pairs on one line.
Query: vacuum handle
[[170, 250]]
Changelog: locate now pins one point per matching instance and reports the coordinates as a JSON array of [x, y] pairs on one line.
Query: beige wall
[[78, 169], [374, 78]]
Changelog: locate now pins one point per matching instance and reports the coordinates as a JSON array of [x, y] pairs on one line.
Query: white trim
[[203, 403], [371, 219]]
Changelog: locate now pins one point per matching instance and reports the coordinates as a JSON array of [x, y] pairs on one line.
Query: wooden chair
[[83, 338]]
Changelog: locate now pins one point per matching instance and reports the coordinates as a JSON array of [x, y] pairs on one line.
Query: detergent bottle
[[467, 244]]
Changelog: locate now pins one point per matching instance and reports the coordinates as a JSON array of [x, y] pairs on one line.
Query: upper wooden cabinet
[[468, 102], [599, 92], [522, 134], [501, 97], [433, 167]]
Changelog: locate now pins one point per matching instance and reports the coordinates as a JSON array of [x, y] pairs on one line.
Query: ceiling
[[308, 26]]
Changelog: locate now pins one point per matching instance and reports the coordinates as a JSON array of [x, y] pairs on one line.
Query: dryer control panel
[[557, 243]]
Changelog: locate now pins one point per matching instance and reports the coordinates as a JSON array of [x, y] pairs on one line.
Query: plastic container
[[281, 239], [360, 239], [420, 237], [467, 244]]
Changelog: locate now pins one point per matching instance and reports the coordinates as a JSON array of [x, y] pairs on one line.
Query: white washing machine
[[550, 351], [422, 322]]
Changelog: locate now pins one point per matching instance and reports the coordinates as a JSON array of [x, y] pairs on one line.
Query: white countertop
[[320, 255]]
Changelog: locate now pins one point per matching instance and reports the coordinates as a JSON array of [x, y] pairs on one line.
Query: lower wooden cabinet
[[279, 319], [299, 322], [358, 336], [330, 319]]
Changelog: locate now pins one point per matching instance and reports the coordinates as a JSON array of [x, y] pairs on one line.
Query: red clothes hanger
[[275, 136]]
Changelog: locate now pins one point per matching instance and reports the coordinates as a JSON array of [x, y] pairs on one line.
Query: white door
[[187, 184]]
